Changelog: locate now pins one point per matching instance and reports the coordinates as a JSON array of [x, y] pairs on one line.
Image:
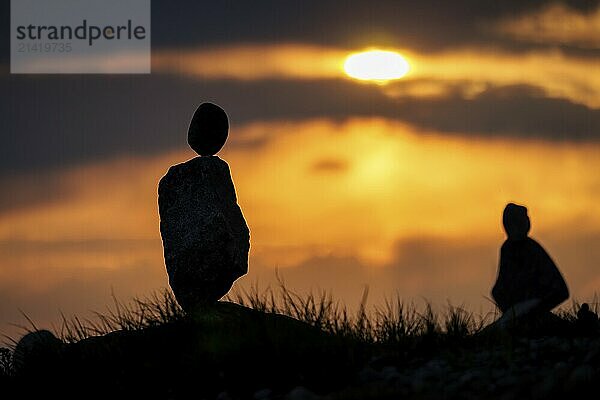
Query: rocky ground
[[537, 368], [542, 368]]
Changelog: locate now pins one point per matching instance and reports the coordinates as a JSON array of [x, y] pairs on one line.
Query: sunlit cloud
[[556, 73], [395, 177], [249, 62], [556, 24]]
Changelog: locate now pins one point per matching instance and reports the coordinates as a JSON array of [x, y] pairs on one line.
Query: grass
[[393, 322], [141, 313], [396, 327]]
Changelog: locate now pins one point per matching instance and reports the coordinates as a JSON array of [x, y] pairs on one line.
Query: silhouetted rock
[[205, 237], [36, 350], [528, 280], [208, 129], [301, 393]]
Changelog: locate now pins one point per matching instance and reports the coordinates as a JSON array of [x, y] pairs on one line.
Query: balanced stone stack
[[528, 279], [205, 237]]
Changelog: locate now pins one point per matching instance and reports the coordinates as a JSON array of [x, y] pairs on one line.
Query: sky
[[345, 184]]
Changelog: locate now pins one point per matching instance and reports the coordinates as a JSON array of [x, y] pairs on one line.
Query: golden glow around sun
[[376, 65]]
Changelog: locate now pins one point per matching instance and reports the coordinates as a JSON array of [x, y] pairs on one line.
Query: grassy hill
[[275, 345]]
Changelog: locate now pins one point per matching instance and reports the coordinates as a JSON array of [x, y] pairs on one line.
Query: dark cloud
[[329, 165], [513, 111], [4, 32], [426, 25], [517, 111], [48, 121], [60, 121]]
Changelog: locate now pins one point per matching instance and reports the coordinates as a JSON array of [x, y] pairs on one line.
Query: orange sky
[[339, 201], [362, 202]]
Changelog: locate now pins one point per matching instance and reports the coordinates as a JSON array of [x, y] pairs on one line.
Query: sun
[[379, 66]]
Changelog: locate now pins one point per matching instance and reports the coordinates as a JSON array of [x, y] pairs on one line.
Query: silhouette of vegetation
[[141, 313], [391, 323], [277, 338]]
